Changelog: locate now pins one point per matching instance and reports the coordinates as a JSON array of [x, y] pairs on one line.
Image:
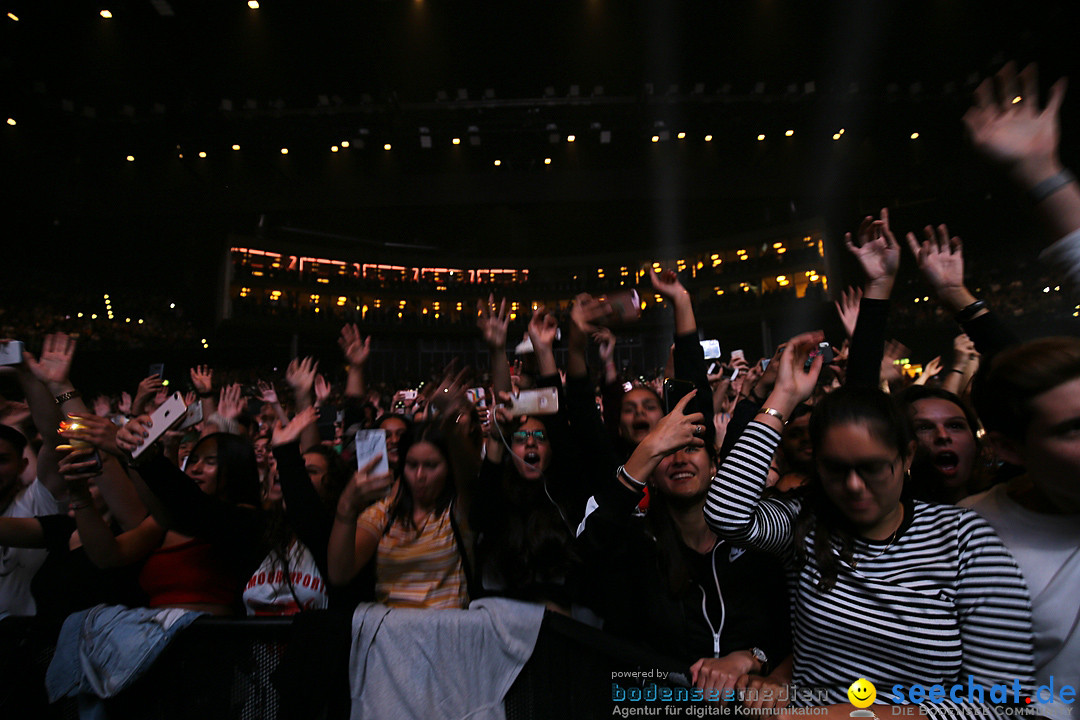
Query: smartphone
[[11, 352], [157, 369], [825, 350], [625, 305], [541, 401], [168, 414], [711, 348], [408, 394], [476, 396], [193, 416], [738, 355], [370, 443], [714, 368], [674, 391]]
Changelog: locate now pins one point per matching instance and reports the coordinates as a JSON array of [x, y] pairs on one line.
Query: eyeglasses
[[872, 472], [522, 436]]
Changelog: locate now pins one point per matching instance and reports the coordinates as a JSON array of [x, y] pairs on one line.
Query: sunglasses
[[522, 436]]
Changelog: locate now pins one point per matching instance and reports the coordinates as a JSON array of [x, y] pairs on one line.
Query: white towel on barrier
[[430, 664]]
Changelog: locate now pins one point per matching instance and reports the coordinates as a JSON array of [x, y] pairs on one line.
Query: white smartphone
[[370, 443], [738, 355], [193, 416], [170, 412], [541, 401], [11, 352], [711, 349]]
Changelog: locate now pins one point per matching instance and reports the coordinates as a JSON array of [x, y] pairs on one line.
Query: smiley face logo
[[862, 693]]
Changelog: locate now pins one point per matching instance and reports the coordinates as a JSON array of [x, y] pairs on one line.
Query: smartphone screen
[[674, 391]]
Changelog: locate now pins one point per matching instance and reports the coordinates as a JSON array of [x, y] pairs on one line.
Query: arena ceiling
[[162, 81]]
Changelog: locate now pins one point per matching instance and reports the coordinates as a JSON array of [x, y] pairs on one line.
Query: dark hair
[[886, 421], [1002, 395], [237, 472], [401, 510], [670, 557], [915, 393], [337, 475]]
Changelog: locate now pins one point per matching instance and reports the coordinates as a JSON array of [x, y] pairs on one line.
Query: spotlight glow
[[789, 133], [235, 147], [547, 161], [131, 158], [708, 138], [344, 143], [760, 138], [456, 141], [571, 138], [202, 154], [284, 151], [106, 14], [387, 146], [656, 138], [333, 148], [498, 163], [253, 4], [681, 136], [914, 136]]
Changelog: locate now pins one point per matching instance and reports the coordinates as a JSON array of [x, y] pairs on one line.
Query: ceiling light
[[914, 136], [131, 158], [106, 14], [571, 138], [789, 133], [387, 146], [235, 147], [836, 136], [498, 163], [1016, 99], [333, 148], [253, 4], [284, 151], [681, 135], [456, 141], [708, 138], [760, 138], [547, 161], [202, 154], [13, 16], [11, 121], [344, 143], [656, 138]]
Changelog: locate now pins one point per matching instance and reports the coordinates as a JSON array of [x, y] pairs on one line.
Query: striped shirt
[[944, 601], [419, 567]]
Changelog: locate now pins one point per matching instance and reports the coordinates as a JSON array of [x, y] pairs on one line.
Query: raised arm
[[542, 329], [1007, 125], [734, 508], [878, 253], [352, 547], [357, 350], [493, 326], [301, 378]]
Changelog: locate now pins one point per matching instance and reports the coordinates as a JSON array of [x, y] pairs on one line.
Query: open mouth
[[947, 462], [640, 426], [533, 458], [682, 476]]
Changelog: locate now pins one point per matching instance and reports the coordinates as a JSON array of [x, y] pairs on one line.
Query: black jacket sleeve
[[868, 344], [990, 335], [690, 365], [303, 506]]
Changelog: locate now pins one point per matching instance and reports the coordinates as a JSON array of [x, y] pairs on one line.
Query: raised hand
[[605, 340], [98, 431], [53, 366], [450, 394], [1006, 124], [941, 261], [148, 389], [667, 284], [493, 324], [357, 348], [586, 312], [932, 368], [795, 383], [231, 402], [363, 489], [322, 390], [964, 351], [133, 433], [267, 393], [202, 377], [847, 307], [676, 430], [301, 375], [124, 406], [542, 329], [878, 253], [290, 432]]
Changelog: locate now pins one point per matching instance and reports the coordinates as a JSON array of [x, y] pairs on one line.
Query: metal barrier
[[225, 668]]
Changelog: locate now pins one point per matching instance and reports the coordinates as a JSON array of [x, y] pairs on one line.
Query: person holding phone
[[668, 581], [919, 593]]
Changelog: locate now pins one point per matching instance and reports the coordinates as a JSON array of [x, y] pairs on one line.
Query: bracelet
[[64, 397], [345, 519], [970, 311], [774, 412], [1050, 185], [621, 472]]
